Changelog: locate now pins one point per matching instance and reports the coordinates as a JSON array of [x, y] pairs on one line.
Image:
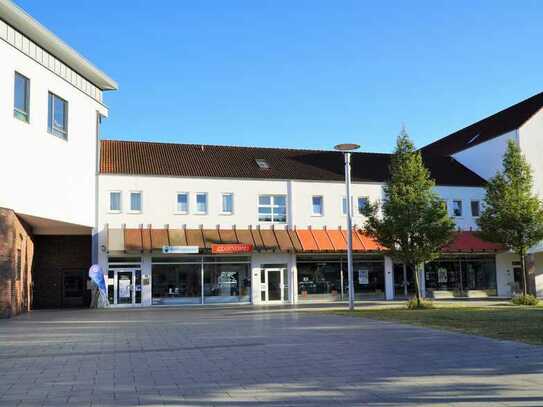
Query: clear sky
[[302, 73]]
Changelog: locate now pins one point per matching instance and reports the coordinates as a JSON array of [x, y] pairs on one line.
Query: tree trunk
[[417, 285], [524, 272]]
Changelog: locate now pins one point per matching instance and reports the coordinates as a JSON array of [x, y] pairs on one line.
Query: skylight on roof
[[471, 140], [262, 164]]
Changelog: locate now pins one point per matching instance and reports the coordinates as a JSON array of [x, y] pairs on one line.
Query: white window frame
[[471, 208], [176, 208], [130, 210], [120, 201], [461, 205], [196, 211], [367, 198], [223, 212], [16, 112], [344, 209], [313, 213], [271, 205]]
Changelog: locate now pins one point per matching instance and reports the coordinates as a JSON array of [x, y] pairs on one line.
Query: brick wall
[[16, 264]]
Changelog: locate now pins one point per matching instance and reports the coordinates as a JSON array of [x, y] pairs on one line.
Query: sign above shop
[[180, 249], [233, 248]]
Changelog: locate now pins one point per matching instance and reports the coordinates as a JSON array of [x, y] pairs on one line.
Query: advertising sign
[[97, 277], [232, 248], [363, 277], [180, 249]]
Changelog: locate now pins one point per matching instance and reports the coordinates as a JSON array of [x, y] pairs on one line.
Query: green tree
[[512, 214], [411, 222]]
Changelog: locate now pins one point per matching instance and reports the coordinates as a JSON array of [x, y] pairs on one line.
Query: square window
[[475, 209], [115, 201], [272, 208], [135, 201], [57, 119], [201, 203], [363, 203], [182, 203], [227, 203], [457, 208], [316, 205], [21, 103]]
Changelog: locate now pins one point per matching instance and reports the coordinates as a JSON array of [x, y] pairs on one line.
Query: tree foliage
[[411, 221], [513, 215]]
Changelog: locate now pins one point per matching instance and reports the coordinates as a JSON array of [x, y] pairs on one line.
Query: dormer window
[[262, 164]]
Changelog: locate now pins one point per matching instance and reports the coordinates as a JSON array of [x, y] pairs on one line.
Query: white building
[[264, 225], [50, 110]]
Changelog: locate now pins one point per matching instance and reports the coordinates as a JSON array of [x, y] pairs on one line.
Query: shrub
[[424, 304], [527, 299]]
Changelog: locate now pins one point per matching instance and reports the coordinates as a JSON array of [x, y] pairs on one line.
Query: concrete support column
[[422, 280], [389, 278], [293, 288], [256, 285], [146, 275]]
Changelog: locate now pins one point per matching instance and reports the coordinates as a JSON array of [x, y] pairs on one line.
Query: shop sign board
[[232, 248], [180, 249], [363, 277]]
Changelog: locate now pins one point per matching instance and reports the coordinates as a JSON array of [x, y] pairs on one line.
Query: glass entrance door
[[275, 286], [124, 286]]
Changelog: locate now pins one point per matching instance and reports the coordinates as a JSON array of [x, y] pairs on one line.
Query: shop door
[[126, 286], [273, 288]]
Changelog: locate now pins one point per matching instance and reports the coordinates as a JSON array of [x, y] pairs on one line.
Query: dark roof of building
[[493, 126], [195, 160]]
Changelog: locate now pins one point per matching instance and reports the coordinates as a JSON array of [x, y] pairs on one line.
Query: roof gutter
[[24, 23]]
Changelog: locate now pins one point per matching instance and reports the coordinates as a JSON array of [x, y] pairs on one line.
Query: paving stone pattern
[[252, 357]]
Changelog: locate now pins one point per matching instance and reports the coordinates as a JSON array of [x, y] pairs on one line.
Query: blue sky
[[305, 74]]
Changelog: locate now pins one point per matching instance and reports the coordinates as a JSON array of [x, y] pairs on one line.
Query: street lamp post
[[346, 149]]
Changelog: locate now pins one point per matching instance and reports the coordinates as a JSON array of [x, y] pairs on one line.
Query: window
[[457, 208], [227, 204], [272, 208], [317, 206], [201, 203], [19, 266], [444, 205], [363, 203], [475, 209], [182, 203], [135, 201], [21, 103], [344, 205], [115, 201], [57, 121]]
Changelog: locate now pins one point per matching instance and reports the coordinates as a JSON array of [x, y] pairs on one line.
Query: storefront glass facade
[[324, 278], [461, 275], [200, 280]]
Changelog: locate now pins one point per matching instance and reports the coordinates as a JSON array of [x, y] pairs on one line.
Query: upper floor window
[[227, 203], [272, 208], [182, 203], [115, 201], [475, 209], [344, 206], [457, 208], [363, 203], [201, 203], [317, 205], [57, 119], [444, 205], [135, 201], [21, 103]]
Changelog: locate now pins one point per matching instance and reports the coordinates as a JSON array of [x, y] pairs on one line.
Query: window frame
[[313, 213], [16, 111], [272, 205], [120, 201], [52, 129], [223, 212], [196, 211], [130, 210], [358, 198], [176, 210], [461, 208], [478, 207], [344, 208]]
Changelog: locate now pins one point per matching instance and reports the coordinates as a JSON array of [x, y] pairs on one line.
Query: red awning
[[470, 242]]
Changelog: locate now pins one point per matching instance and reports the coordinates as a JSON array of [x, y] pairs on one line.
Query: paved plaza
[[245, 356]]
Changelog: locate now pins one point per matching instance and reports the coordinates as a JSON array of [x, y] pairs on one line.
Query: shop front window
[[226, 283], [177, 284], [319, 281], [369, 279]]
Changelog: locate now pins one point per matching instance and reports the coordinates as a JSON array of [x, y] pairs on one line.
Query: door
[[124, 287], [274, 285], [74, 287]]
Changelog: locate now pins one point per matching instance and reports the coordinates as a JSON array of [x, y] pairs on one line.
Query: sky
[[302, 73]]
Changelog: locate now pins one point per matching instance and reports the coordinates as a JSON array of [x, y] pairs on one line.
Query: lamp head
[[346, 147]]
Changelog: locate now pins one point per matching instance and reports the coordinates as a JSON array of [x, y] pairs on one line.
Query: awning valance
[[470, 242]]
